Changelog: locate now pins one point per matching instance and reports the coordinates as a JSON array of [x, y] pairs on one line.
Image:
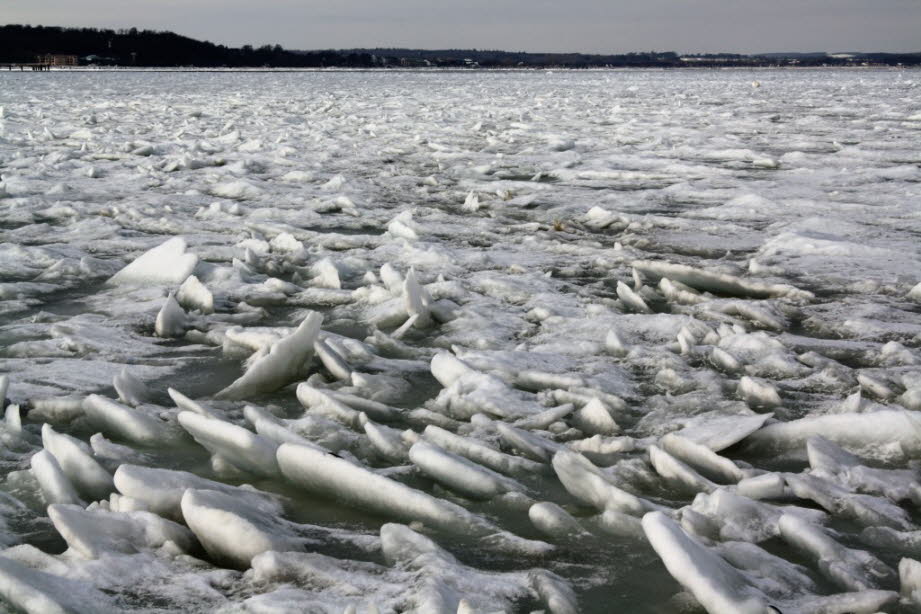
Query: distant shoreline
[[206, 69]]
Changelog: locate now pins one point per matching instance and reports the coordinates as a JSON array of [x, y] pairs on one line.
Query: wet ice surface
[[439, 342]]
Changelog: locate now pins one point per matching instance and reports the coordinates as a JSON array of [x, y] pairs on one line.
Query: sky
[[591, 26]]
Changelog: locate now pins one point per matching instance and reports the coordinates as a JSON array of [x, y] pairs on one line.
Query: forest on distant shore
[[133, 47]]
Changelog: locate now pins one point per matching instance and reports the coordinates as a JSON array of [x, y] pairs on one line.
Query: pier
[[25, 66]]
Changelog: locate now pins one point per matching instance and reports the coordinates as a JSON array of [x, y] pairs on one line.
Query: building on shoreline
[[57, 59]]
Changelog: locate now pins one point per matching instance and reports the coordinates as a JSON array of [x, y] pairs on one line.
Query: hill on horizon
[[133, 47]]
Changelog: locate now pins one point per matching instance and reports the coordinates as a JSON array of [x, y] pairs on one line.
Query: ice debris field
[[461, 342]]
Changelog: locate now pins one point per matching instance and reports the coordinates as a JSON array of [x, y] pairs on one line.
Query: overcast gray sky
[[521, 25]]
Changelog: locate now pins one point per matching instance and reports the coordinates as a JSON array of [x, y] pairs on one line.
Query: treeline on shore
[[133, 47]]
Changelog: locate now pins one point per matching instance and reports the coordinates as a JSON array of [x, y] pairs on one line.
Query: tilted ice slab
[[54, 485], [831, 461], [127, 423], [733, 516], [719, 432], [235, 444], [459, 473], [591, 485], [723, 589], [168, 264], [76, 461], [479, 452], [865, 510], [717, 282], [702, 458], [94, 532], [280, 365], [161, 490], [234, 531], [717, 585], [852, 570], [327, 475], [855, 432]]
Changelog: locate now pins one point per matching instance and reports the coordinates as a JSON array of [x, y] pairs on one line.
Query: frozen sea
[[602, 341]]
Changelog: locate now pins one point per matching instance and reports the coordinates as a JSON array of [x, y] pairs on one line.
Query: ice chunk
[[76, 461], [590, 485], [556, 594], [403, 227], [460, 474], [130, 389], [56, 410], [863, 509], [724, 361], [915, 293], [273, 428], [702, 458], [447, 369], [553, 520], [831, 461], [717, 585], [193, 294], [325, 474], [852, 570], [595, 419], [333, 477], [612, 522], [481, 453], [326, 275], [764, 486], [531, 445], [855, 432], [168, 264], [55, 486], [391, 278], [631, 299], [614, 344], [185, 403], [910, 580], [161, 489], [603, 451], [721, 283], [387, 442], [130, 424], [677, 472], [238, 190], [758, 393], [375, 409], [234, 531], [544, 419], [238, 446], [334, 363], [320, 401], [736, 517], [677, 292], [877, 387], [280, 365], [95, 532], [171, 320], [417, 301], [719, 432]]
